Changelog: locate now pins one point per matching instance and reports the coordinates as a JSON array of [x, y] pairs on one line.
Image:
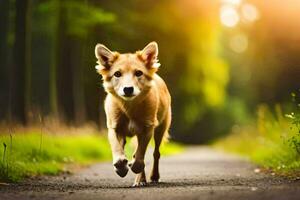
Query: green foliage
[[79, 17], [171, 148], [273, 143], [206, 75], [24, 157], [294, 141]]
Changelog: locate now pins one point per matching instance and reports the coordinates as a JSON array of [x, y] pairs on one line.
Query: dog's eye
[[117, 74], [138, 73]]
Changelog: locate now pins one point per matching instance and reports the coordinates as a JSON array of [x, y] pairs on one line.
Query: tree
[[21, 70], [4, 21]]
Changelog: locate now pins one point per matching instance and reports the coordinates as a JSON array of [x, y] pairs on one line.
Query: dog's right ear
[[105, 57]]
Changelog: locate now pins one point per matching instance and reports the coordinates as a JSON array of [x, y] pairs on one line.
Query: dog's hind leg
[[137, 165], [159, 134], [140, 179]]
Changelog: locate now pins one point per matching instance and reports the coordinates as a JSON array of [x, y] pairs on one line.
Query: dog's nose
[[128, 91]]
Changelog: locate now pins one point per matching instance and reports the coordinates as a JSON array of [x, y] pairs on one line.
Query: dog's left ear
[[149, 55]]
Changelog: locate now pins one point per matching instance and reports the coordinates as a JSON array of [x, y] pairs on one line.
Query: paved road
[[198, 173]]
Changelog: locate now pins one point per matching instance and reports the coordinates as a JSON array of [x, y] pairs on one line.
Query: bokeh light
[[249, 12], [239, 43], [229, 16], [233, 2]]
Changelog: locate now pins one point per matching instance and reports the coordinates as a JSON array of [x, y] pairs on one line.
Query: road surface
[[198, 173]]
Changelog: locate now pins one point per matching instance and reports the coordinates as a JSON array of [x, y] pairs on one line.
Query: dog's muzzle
[[128, 91]]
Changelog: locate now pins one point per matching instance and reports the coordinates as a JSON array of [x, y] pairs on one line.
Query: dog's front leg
[[117, 146], [137, 165]]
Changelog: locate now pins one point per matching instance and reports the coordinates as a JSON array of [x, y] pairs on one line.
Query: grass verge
[[273, 142], [30, 153]]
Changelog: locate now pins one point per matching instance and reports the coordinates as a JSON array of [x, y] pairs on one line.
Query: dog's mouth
[[128, 97]]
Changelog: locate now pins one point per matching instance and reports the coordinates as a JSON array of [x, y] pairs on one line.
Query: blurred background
[[220, 59]]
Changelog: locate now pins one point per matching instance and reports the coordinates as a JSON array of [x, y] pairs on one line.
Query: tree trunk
[[4, 48], [78, 77], [54, 63], [77, 51], [21, 69], [64, 69], [28, 61]]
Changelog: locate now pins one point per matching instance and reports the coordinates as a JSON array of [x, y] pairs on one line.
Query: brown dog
[[138, 103]]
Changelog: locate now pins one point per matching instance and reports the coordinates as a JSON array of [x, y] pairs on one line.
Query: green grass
[[273, 142], [29, 154], [171, 148], [32, 153]]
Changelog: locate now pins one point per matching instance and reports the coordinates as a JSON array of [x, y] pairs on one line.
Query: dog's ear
[[149, 55], [105, 57]]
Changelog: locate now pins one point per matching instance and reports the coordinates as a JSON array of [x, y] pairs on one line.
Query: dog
[[137, 103]]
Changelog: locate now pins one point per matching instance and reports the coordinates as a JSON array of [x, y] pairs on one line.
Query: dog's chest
[[137, 127], [134, 128], [140, 119]]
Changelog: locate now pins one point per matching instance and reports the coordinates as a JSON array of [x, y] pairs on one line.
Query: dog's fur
[[144, 111]]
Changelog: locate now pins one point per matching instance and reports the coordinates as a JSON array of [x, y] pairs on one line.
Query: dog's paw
[[154, 182], [121, 167], [137, 166], [140, 184], [154, 178]]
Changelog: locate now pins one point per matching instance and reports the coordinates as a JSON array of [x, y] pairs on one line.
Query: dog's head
[[127, 75]]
